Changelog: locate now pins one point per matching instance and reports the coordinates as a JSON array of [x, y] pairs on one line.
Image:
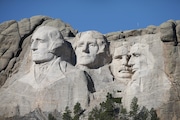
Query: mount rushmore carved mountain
[[46, 65]]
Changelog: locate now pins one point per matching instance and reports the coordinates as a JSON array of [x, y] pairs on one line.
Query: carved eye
[[92, 44], [118, 57], [136, 54], [80, 44], [41, 40]]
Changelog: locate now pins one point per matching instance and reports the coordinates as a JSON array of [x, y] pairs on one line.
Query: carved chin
[[85, 60], [41, 60], [124, 75]]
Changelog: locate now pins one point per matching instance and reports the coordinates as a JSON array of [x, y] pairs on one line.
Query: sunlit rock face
[[147, 81], [45, 65], [15, 41], [92, 50], [119, 66], [51, 83], [93, 56]]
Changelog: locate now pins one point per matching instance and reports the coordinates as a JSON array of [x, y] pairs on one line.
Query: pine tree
[[112, 109], [67, 114], [153, 114], [95, 114], [144, 114], [107, 110], [78, 111], [134, 108], [51, 117]]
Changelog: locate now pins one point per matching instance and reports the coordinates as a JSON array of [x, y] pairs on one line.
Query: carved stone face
[[40, 47], [86, 50], [120, 63], [139, 57]]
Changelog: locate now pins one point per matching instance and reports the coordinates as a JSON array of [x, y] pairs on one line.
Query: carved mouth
[[123, 71], [134, 70], [85, 56], [35, 52]]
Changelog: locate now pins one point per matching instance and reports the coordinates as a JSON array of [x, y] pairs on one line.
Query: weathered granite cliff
[[144, 63]]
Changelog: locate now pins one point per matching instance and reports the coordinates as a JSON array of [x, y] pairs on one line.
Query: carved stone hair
[[54, 35]]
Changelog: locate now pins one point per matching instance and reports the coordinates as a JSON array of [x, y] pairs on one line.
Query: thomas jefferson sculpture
[[92, 52]]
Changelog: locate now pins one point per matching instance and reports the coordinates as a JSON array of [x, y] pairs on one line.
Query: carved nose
[[130, 63], [124, 61], [85, 49], [34, 46]]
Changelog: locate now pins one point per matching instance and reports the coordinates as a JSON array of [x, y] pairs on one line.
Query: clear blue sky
[[102, 15]]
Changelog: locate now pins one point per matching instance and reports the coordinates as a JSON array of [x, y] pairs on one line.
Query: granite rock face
[[50, 84], [143, 63], [15, 40]]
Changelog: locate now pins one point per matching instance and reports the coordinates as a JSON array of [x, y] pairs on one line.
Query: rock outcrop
[[144, 63]]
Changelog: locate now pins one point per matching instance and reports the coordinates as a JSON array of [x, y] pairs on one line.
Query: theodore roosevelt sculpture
[[51, 84], [119, 65], [120, 69]]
